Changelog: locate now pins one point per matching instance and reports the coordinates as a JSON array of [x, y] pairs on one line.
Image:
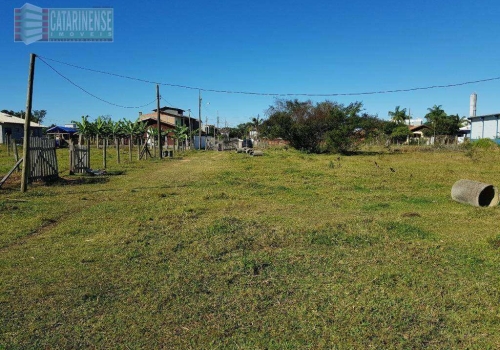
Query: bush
[[484, 143]]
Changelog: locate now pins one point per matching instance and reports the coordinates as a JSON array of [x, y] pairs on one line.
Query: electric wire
[[88, 92], [276, 94]]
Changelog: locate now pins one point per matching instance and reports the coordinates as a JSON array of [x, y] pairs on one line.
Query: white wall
[[484, 128]]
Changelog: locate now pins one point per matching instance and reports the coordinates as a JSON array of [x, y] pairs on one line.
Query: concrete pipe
[[257, 153], [240, 150], [249, 151], [475, 193]]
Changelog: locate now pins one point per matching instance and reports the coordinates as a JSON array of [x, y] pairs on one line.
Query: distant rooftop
[[10, 119]]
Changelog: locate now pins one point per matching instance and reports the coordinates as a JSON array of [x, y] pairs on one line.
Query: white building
[[484, 126], [14, 127]]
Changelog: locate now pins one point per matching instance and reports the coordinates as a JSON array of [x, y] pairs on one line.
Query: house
[[170, 117], [417, 131], [14, 127], [484, 126]]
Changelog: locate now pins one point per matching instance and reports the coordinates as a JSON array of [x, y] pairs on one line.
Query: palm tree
[[435, 115], [398, 116], [256, 122]]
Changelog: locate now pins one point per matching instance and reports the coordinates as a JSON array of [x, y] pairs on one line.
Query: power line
[[277, 94], [89, 93]]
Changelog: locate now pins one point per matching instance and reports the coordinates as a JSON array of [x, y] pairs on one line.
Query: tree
[[398, 116], [400, 133], [256, 123], [117, 130], [85, 129], [180, 133], [129, 128], [38, 115], [443, 124], [326, 126], [101, 127], [345, 133]]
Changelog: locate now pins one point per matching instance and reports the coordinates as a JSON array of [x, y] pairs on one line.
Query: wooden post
[[130, 140], [16, 155], [26, 140], [139, 144], [118, 150], [104, 142], [88, 152], [7, 140], [158, 119], [71, 155]]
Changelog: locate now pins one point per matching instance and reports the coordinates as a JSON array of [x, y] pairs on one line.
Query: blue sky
[[314, 47]]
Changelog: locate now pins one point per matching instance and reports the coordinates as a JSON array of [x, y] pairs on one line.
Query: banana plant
[[116, 131], [180, 133], [129, 128], [141, 129], [85, 129], [154, 133]]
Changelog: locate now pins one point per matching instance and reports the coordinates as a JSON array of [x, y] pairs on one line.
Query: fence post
[[16, 155]]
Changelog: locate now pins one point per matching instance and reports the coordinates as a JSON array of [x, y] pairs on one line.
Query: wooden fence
[[43, 160], [79, 160]]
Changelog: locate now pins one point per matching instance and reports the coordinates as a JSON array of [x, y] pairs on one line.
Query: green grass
[[223, 250]]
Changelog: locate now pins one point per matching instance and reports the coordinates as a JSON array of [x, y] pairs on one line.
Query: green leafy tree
[[443, 124], [399, 115], [101, 127], [326, 126], [400, 133]]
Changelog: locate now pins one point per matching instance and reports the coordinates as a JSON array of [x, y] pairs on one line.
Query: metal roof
[[10, 119], [485, 116]]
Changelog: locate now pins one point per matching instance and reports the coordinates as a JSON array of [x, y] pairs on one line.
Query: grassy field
[[221, 250]]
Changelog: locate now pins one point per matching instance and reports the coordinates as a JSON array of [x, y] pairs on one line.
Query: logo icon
[[32, 24]]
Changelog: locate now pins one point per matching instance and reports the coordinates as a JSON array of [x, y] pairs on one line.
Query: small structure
[[12, 128], [417, 131], [62, 134]]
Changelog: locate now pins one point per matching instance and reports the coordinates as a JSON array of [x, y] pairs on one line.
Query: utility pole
[[158, 119], [190, 130], [199, 119], [26, 140], [206, 131]]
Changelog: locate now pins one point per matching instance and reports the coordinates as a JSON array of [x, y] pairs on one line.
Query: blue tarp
[[61, 130]]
